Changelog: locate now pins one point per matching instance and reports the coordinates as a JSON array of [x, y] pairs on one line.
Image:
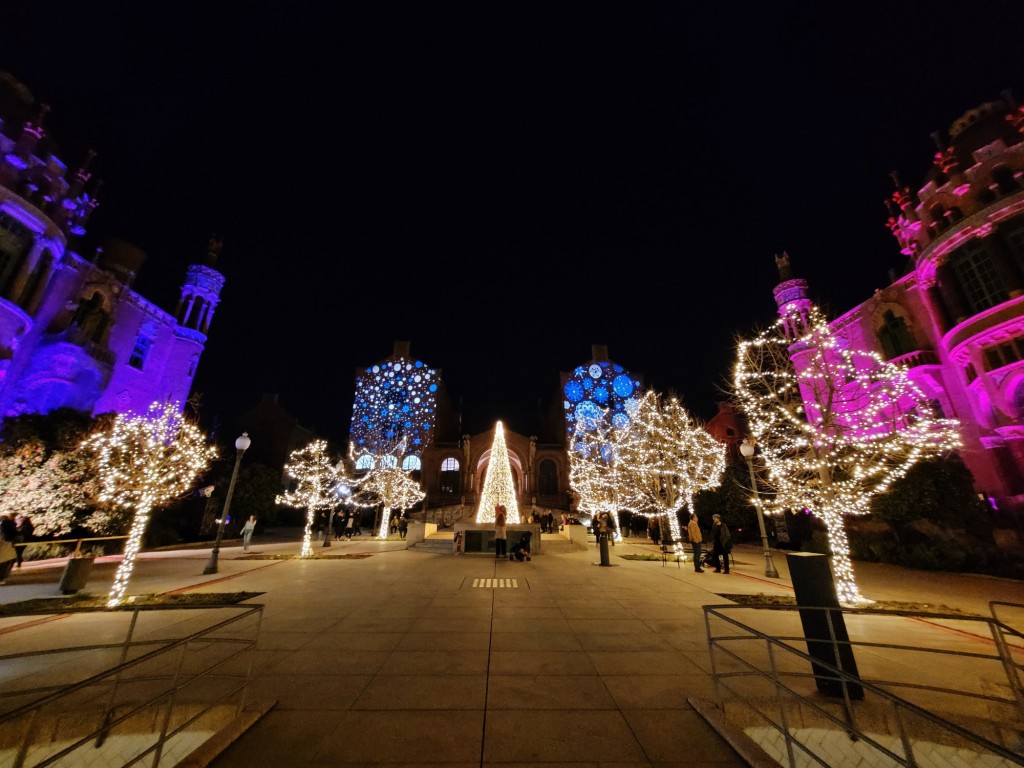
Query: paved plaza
[[388, 656]]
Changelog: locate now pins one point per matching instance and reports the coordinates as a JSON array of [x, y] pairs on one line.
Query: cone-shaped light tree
[[317, 476], [144, 462], [669, 459], [498, 487], [835, 425]]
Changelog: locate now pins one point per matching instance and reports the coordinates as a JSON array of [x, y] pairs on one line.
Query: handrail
[[208, 653], [731, 647], [78, 542]]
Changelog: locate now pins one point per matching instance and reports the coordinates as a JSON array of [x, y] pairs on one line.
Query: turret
[[201, 292], [791, 299]]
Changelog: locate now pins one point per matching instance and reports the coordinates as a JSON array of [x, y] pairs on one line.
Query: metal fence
[[948, 693], [155, 684]]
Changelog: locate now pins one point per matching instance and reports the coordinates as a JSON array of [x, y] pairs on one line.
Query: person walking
[[721, 542], [693, 531], [350, 526], [403, 527], [500, 541], [247, 531], [339, 525]]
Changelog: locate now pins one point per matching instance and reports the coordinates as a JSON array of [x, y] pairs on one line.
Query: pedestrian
[[721, 544], [693, 531], [247, 531], [403, 527], [25, 530], [654, 529], [393, 525], [350, 526], [500, 542], [8, 535], [339, 526]]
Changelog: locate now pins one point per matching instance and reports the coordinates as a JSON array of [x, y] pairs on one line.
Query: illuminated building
[[955, 317], [73, 332]]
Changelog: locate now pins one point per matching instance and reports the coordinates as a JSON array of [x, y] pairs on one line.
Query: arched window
[[388, 462], [895, 336], [15, 242], [364, 462], [450, 480], [412, 463], [547, 478]]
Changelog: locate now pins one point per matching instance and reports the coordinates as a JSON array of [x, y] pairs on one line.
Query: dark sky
[[502, 184]]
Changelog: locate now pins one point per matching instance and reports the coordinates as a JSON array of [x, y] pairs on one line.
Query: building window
[[450, 476], [977, 275], [140, 352], [895, 336], [364, 462], [1014, 240], [15, 242], [547, 478], [412, 463]]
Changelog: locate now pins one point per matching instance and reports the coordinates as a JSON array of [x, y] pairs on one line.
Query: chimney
[[599, 352]]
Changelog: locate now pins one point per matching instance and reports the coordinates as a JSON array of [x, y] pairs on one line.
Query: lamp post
[[747, 449], [242, 443]]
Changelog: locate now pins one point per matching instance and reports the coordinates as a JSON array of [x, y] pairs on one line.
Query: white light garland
[[144, 462], [835, 425], [317, 476], [498, 486]]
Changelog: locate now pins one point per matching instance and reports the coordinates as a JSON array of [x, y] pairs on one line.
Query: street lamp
[[242, 443], [747, 449]]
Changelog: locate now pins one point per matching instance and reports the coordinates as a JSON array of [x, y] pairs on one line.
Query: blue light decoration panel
[[395, 399], [598, 387]]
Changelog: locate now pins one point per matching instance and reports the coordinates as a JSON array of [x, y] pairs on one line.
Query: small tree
[[316, 475], [835, 425], [142, 463], [671, 458]]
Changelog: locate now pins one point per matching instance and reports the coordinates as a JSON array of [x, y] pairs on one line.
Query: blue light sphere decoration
[[598, 387], [395, 399]]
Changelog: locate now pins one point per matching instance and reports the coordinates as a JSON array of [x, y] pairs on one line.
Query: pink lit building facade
[[73, 332], [956, 317]]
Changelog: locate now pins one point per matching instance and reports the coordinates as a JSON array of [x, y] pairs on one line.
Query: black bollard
[[815, 588], [602, 540]]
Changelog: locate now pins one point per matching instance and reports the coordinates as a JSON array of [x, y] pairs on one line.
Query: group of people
[[13, 531], [347, 524], [721, 543], [521, 550]]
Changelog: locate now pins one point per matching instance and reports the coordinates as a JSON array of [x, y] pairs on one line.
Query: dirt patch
[[99, 602], [880, 605], [314, 556]]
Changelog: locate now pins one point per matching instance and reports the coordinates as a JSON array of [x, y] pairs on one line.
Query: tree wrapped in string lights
[[670, 458], [393, 488], [596, 448], [144, 462], [835, 425], [317, 476], [498, 486]]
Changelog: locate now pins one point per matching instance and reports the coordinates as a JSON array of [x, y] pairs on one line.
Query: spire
[[782, 264], [213, 246]]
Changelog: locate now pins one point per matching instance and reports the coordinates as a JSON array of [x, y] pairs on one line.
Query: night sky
[[502, 184]]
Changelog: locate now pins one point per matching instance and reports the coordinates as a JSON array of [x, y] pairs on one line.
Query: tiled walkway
[[407, 658]]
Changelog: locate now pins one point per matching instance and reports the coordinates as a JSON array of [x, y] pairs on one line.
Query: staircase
[[442, 543]]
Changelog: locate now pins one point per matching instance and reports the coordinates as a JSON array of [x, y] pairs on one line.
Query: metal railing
[[68, 543], [953, 688], [150, 698]]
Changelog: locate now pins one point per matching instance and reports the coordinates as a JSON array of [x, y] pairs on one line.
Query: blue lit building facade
[[73, 332]]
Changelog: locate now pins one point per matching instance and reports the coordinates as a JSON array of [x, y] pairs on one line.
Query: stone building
[[955, 316], [73, 331]]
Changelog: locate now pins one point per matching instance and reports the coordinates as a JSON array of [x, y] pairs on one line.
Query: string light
[[317, 477], [498, 487], [668, 460], [835, 425], [143, 462]]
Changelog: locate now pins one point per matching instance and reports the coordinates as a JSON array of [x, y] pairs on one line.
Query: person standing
[[721, 542], [247, 531], [693, 531], [25, 530], [350, 525], [403, 527], [500, 542], [8, 535]]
